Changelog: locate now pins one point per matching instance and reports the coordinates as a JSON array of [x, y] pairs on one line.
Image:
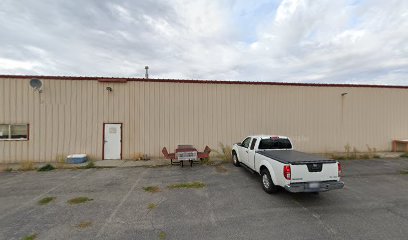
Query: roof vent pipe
[[147, 72]]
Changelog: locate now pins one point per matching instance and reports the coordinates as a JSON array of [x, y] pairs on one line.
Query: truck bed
[[294, 157]]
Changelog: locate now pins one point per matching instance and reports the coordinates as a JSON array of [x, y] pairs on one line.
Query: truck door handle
[[246, 151]]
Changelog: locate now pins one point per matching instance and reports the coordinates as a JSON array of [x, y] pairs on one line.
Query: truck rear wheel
[[267, 183], [235, 160]]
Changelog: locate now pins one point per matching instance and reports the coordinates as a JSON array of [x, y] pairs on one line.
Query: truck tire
[[235, 160], [267, 183]]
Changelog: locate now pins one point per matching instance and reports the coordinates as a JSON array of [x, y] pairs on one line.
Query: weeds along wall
[[68, 116]]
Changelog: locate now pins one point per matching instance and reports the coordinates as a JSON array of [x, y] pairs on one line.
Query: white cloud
[[292, 40], [121, 12], [287, 9], [13, 65]]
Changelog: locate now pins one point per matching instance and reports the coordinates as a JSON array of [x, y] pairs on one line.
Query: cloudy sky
[[330, 41]]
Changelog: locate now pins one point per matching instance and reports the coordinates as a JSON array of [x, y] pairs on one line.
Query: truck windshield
[[280, 143]]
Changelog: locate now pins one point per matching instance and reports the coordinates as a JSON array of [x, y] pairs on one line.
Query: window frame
[[252, 145], [9, 132], [249, 142], [261, 147]]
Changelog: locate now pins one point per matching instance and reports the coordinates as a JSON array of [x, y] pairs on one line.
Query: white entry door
[[113, 140]]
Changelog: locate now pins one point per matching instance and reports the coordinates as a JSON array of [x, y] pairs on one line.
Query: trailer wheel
[[267, 183], [235, 160]]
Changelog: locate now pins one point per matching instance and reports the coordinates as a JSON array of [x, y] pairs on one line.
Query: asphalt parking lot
[[232, 205]]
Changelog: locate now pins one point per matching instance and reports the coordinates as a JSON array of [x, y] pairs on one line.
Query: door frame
[[103, 139], [243, 151]]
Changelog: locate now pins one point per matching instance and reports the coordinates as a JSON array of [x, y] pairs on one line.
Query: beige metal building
[[73, 115]]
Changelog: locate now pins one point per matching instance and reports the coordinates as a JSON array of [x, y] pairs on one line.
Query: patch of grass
[[352, 153], [79, 200], [338, 157], [347, 148], [404, 155], [162, 235], [404, 171], [186, 185], [151, 206], [157, 166], [354, 156], [90, 164], [8, 169], [205, 161], [46, 200], [152, 189], [372, 152], [365, 156], [220, 169], [30, 237], [225, 154], [137, 156], [60, 161], [27, 166], [45, 168], [84, 224]]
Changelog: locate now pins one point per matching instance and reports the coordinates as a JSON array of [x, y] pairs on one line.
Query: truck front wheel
[[235, 160], [267, 183]]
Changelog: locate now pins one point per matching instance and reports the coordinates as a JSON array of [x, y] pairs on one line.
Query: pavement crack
[[151, 216]]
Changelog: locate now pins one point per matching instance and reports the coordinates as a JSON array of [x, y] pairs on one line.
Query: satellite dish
[[36, 84]]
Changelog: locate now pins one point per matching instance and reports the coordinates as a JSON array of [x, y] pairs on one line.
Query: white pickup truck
[[278, 164]]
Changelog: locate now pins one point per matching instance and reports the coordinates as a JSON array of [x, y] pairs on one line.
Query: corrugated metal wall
[[68, 116]]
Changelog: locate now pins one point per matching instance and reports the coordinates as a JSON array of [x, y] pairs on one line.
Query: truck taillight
[[287, 172], [339, 168]]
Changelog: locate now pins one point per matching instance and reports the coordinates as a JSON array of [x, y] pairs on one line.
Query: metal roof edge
[[123, 79]]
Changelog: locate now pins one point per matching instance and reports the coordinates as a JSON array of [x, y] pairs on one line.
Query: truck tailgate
[[314, 172], [305, 167]]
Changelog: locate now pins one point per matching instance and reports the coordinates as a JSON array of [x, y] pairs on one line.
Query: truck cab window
[[253, 144], [245, 143], [280, 143]]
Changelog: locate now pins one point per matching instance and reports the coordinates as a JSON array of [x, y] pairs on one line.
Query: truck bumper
[[308, 187]]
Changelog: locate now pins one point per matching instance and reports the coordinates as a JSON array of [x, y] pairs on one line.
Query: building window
[[14, 131]]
